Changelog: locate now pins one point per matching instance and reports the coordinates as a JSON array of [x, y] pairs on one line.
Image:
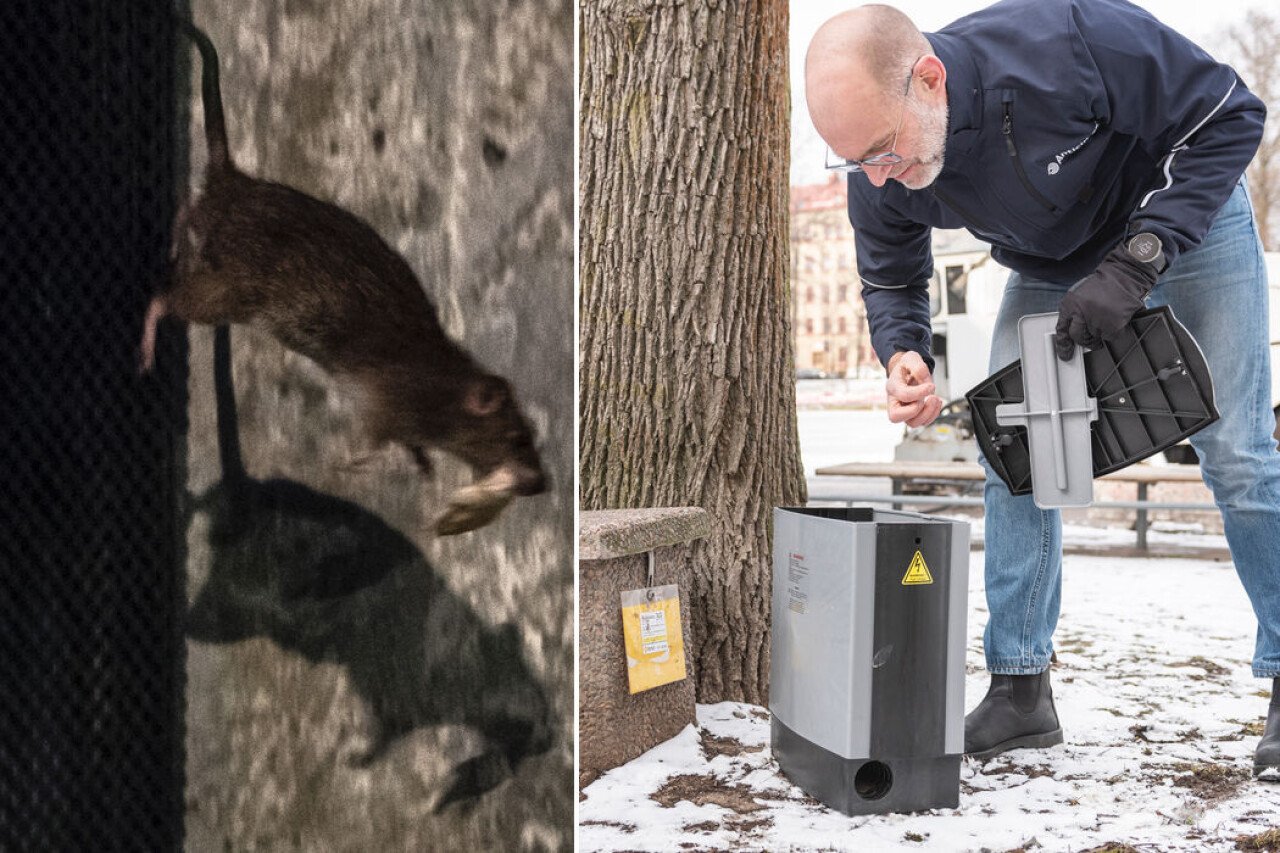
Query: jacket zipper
[[1007, 130]]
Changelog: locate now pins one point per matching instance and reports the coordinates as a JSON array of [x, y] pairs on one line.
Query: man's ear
[[932, 73]]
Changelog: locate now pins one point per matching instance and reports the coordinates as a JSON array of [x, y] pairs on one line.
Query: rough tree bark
[[687, 393], [1253, 47]]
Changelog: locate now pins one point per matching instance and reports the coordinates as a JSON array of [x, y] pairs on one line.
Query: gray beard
[[933, 137]]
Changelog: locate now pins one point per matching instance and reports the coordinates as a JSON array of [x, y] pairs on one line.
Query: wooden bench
[[902, 473]]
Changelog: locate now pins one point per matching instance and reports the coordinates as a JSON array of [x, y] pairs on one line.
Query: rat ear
[[485, 396]]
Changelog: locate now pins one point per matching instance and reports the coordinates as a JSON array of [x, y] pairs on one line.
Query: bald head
[[875, 88], [876, 41], [859, 53]]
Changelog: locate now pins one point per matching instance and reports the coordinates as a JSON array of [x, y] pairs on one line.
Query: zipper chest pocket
[[1007, 130]]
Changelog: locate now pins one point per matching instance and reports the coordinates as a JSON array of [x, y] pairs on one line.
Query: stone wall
[[356, 683], [614, 725]]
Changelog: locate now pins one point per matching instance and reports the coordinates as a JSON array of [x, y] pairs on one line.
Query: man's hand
[[910, 390], [1097, 307]]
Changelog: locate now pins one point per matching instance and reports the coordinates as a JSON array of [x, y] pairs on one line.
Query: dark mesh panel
[[91, 454]]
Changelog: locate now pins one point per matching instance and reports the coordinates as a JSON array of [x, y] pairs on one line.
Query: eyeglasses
[[887, 158]]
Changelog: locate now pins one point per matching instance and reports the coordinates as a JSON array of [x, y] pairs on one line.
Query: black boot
[[1016, 712], [1266, 761]]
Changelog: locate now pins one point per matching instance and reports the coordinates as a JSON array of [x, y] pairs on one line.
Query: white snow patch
[[1153, 680]]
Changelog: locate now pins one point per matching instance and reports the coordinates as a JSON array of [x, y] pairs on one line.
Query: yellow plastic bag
[[653, 636]]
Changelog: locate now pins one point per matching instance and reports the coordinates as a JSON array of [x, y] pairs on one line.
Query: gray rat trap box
[[866, 684]]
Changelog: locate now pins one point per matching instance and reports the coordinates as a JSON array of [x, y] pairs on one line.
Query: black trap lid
[[1152, 387]]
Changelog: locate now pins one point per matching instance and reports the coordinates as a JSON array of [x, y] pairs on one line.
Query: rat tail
[[234, 478], [215, 126]]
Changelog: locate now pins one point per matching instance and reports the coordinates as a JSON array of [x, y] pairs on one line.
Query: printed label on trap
[[652, 635], [797, 583], [653, 632]]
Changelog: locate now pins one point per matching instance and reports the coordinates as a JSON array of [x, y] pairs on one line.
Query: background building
[[828, 319]]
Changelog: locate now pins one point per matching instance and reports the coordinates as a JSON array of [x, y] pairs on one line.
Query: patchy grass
[[1074, 646], [731, 746], [1113, 847], [1253, 729], [1267, 842], [701, 789], [1009, 767], [753, 825], [1139, 732], [621, 827], [1210, 781], [1212, 670]]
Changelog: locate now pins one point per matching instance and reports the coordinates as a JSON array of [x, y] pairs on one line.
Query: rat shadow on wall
[[325, 578]]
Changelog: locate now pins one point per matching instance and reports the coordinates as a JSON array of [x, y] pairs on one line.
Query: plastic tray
[[1152, 388]]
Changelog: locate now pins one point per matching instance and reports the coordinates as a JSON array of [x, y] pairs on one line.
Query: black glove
[[1097, 307]]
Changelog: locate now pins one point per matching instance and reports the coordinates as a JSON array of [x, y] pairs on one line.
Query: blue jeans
[[1219, 292]]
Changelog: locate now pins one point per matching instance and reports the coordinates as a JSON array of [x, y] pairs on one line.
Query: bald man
[[1101, 155]]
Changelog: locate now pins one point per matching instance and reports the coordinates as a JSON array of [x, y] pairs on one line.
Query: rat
[[323, 283]]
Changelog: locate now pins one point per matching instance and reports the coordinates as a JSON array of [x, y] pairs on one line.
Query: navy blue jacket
[[1119, 125]]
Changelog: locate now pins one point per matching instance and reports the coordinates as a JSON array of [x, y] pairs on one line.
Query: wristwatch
[[1146, 248]]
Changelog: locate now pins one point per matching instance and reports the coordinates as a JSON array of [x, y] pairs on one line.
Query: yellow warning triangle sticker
[[917, 572]]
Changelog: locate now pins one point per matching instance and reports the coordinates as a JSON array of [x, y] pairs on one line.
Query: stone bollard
[[614, 545]]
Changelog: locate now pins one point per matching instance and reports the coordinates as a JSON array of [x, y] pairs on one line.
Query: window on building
[[843, 326], [842, 293], [826, 294], [808, 294], [808, 326]]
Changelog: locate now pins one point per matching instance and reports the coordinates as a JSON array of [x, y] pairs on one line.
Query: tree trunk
[[687, 378]]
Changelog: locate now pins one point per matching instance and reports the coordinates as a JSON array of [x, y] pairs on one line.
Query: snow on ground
[[1159, 709], [846, 435]]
